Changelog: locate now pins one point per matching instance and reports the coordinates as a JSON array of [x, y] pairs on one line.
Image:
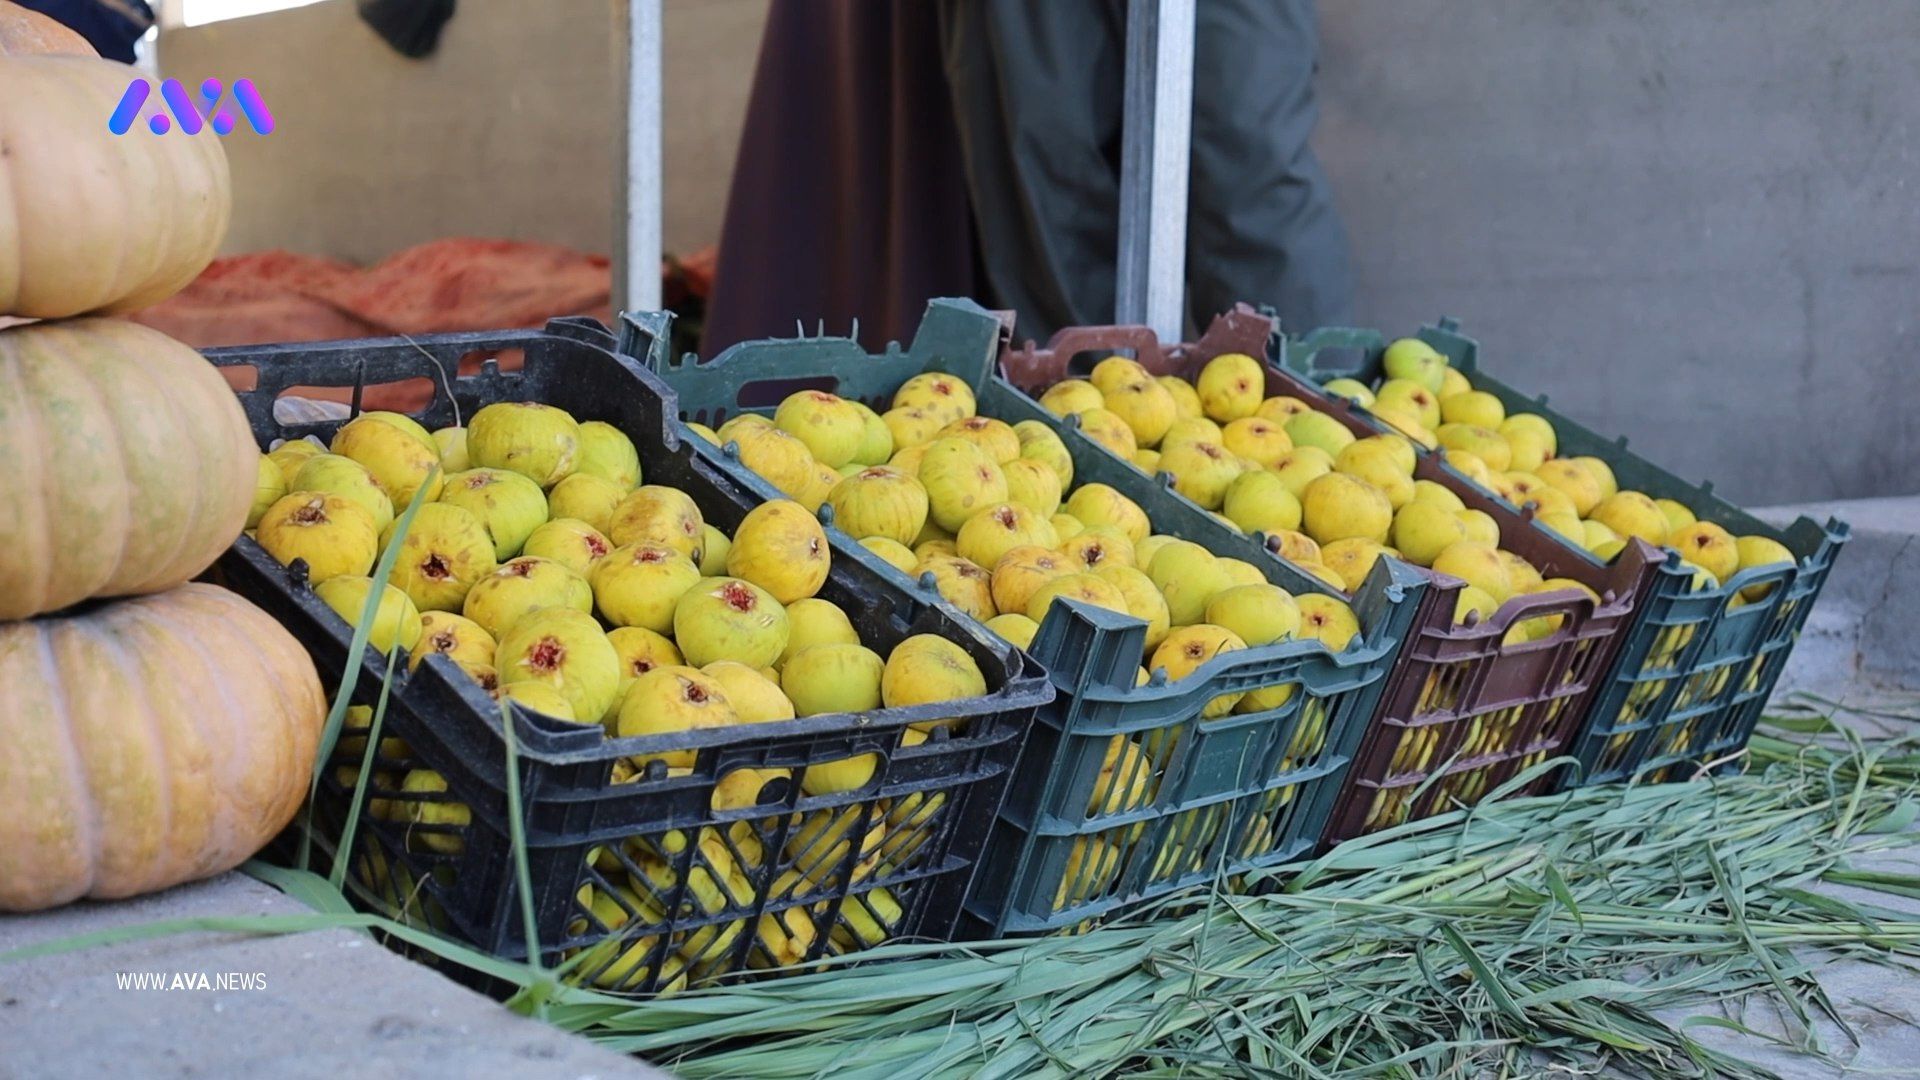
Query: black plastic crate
[[774, 874]]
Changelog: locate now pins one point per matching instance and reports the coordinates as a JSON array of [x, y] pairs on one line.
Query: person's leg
[[1037, 93], [1261, 223]]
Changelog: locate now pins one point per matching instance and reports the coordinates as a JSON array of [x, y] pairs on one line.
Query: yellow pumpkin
[[91, 221], [148, 742], [23, 31], [126, 464]]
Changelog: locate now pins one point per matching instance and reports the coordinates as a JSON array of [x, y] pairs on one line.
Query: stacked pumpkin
[[166, 735]]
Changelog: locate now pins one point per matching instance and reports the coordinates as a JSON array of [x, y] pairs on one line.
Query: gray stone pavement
[[336, 1004], [1880, 1004]]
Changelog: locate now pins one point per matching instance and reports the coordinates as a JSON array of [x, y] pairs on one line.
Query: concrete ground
[[337, 1003], [1859, 638], [1880, 1004]]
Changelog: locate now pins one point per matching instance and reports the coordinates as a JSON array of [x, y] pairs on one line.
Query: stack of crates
[[1126, 791]]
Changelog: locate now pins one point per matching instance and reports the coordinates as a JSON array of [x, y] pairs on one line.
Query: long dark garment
[[110, 26], [848, 200], [1037, 91]]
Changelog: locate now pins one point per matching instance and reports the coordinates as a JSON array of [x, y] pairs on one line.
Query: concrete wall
[[1695, 224], [506, 130]]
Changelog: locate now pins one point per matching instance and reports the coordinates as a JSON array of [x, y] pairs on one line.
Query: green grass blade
[[303, 885], [356, 649]]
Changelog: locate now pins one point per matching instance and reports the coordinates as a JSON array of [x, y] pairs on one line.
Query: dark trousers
[[1037, 93]]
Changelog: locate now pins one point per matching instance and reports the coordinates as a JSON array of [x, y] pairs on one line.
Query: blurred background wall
[[506, 130], [1696, 224]]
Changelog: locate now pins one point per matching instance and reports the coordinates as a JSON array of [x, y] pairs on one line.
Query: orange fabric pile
[[446, 285], [454, 284]]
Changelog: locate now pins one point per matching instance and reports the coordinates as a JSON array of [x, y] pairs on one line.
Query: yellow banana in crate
[[350, 749], [608, 912], [909, 820], [1719, 682], [1642, 697], [866, 920], [624, 964], [1091, 864], [1682, 741], [786, 936], [1260, 835], [1457, 790], [1389, 809], [628, 968], [1125, 780], [392, 885], [1430, 737], [1438, 694], [1689, 690], [1617, 746], [714, 884], [1413, 750], [1310, 733], [819, 844], [1186, 845], [456, 814]]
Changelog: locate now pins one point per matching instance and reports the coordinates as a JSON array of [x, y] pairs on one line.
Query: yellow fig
[[452, 444], [659, 515], [669, 699], [895, 553], [926, 669], [832, 427], [395, 621], [537, 441], [445, 551], [564, 648], [570, 542], [332, 534], [402, 458], [588, 498], [292, 454], [521, 586], [730, 619], [507, 504], [459, 638], [1187, 648], [937, 392], [607, 453], [780, 547], [880, 501], [1231, 386], [641, 585], [348, 479]]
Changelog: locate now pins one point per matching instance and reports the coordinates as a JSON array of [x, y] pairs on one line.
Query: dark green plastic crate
[[1464, 712], [1226, 794], [1689, 684]]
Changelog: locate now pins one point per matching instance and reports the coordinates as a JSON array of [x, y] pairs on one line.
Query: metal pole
[[1150, 286], [637, 185]]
